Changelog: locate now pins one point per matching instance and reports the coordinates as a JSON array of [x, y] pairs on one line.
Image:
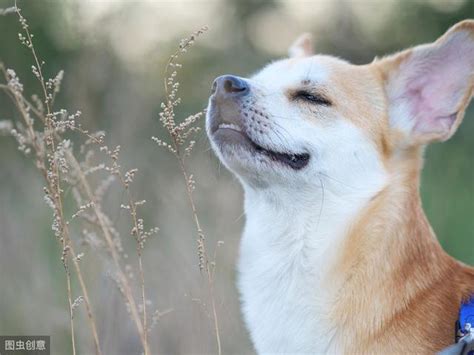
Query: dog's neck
[[311, 219], [300, 221], [354, 254]]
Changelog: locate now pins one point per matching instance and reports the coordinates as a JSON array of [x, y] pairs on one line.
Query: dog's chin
[[239, 152]]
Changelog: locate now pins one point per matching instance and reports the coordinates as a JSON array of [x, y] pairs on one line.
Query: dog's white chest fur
[[289, 243], [281, 303], [282, 262]]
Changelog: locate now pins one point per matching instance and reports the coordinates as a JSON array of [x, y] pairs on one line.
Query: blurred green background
[[113, 54]]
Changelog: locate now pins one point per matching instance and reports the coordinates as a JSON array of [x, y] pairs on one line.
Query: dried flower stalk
[[181, 145], [41, 133]]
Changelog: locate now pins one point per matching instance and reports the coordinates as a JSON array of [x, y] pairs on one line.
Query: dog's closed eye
[[314, 98]]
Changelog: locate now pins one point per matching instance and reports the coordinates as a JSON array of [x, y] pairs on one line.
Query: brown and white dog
[[337, 255]]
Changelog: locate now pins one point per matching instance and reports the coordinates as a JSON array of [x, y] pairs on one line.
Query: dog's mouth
[[232, 133]]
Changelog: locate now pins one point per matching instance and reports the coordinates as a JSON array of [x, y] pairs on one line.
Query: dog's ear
[[429, 86], [302, 46]]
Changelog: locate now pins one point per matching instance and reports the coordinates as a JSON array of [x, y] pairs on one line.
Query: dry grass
[[75, 162], [181, 136]]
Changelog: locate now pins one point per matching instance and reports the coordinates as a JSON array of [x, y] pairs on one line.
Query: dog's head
[[306, 117]]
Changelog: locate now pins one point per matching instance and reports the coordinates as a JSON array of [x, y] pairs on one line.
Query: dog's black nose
[[229, 86]]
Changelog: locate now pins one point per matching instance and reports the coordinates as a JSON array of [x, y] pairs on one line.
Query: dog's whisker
[[338, 181], [322, 204], [240, 217]]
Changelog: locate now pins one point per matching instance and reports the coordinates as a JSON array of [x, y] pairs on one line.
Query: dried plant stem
[[114, 254], [137, 234], [180, 134], [54, 158], [142, 288], [210, 279], [109, 241], [53, 184], [140, 264], [87, 302], [19, 104], [66, 243], [71, 310]]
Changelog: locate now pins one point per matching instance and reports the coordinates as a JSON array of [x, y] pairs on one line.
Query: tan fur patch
[[397, 282]]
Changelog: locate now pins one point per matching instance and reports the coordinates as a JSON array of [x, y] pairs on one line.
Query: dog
[[337, 255]]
